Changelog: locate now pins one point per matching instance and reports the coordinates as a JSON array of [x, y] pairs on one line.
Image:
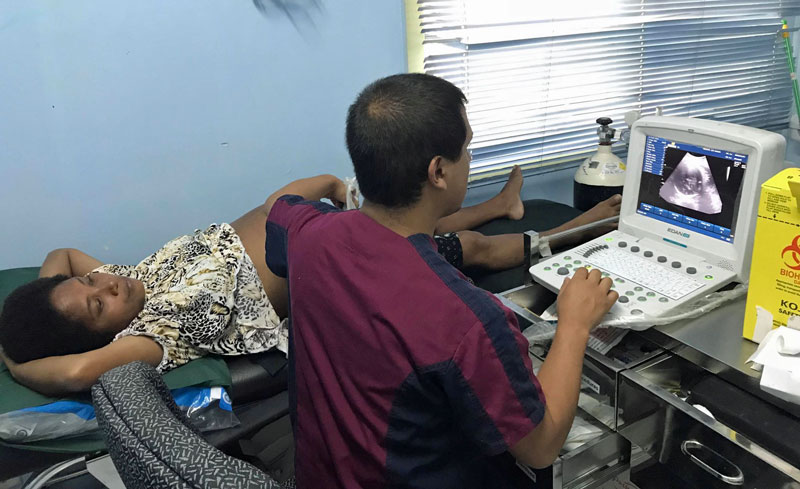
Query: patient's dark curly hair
[[31, 328]]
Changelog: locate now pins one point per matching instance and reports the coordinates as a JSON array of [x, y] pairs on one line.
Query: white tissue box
[[781, 383], [778, 358]]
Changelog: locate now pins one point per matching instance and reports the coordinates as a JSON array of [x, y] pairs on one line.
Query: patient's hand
[[4, 358], [13, 367], [338, 195]]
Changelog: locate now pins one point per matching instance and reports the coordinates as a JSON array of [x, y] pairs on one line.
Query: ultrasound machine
[[687, 218]]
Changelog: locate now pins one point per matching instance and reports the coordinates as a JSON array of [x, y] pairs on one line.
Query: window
[[538, 74]]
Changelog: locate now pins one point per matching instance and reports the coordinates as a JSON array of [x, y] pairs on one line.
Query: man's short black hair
[[396, 126], [31, 328]]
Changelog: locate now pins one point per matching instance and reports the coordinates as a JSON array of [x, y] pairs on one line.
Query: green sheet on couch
[[208, 371]]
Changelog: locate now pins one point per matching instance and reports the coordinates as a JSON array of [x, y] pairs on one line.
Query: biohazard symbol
[[793, 250]]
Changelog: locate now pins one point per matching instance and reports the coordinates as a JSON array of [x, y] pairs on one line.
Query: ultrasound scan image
[[692, 186]]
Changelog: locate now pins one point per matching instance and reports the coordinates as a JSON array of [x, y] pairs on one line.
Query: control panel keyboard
[[650, 278]]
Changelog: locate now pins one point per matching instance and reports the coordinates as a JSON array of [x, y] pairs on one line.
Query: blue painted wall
[[555, 185], [125, 124]]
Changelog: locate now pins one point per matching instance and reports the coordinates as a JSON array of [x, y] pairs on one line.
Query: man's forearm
[[582, 302], [560, 376]]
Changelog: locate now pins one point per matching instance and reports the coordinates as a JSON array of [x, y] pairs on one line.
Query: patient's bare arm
[[69, 262], [312, 188], [65, 374]]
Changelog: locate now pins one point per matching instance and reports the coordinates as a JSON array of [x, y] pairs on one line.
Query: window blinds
[[538, 74]]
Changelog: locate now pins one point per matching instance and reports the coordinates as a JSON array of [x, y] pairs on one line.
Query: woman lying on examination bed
[[207, 292]]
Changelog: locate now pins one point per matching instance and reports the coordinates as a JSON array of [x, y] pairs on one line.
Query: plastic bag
[[540, 332], [59, 419], [208, 408], [353, 194], [580, 432], [689, 310]]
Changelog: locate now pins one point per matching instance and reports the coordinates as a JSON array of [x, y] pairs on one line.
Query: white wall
[[125, 124]]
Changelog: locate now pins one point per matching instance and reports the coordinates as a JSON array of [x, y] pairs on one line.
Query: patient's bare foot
[[607, 208], [510, 195]]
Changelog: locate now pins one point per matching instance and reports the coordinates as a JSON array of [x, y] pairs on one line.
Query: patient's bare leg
[[505, 204], [508, 250], [492, 252]]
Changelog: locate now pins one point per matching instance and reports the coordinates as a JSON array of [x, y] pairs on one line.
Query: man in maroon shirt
[[402, 373]]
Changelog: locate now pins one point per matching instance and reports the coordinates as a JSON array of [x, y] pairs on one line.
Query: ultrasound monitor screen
[[692, 187]]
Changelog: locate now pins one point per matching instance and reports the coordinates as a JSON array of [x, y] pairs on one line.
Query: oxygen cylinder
[[602, 174]]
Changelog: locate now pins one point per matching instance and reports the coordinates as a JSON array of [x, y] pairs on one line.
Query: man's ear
[[436, 172]]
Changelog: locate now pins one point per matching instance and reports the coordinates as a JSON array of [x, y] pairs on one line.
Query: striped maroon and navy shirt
[[402, 373]]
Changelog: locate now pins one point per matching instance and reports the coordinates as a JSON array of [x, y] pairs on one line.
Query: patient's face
[[105, 303]]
